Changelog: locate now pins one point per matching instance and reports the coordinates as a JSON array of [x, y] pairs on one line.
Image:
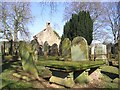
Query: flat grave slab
[[67, 72], [69, 66]]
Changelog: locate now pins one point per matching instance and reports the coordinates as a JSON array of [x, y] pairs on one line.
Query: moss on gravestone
[[82, 77], [66, 49], [79, 49], [69, 66]]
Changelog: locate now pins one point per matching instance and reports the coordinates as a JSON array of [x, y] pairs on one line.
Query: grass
[[109, 74], [9, 81], [9, 84], [49, 58], [44, 72], [110, 69]]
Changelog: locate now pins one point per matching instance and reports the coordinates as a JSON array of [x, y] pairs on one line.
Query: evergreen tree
[[80, 24]]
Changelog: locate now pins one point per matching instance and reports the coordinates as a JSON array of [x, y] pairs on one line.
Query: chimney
[[47, 24]]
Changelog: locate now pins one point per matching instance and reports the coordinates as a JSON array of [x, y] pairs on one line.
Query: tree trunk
[[119, 51], [15, 36]]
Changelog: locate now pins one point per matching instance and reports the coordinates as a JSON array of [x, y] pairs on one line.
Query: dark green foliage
[[79, 25]]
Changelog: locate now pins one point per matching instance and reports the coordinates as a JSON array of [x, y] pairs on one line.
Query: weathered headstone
[[46, 49], [79, 49], [54, 50], [66, 49], [101, 52], [41, 51], [26, 53], [92, 52]]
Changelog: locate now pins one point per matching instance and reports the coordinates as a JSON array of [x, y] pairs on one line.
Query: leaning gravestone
[[66, 49], [79, 49], [26, 53], [101, 52]]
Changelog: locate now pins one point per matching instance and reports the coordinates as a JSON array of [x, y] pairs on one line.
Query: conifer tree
[[80, 24]]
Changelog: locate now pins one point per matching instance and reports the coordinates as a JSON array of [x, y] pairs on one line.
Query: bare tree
[[75, 7], [119, 19], [111, 18], [104, 15], [15, 17]]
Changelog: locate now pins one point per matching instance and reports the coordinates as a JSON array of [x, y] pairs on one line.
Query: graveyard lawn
[[10, 81], [69, 66]]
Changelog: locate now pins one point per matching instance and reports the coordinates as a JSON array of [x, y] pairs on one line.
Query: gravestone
[[101, 52], [54, 50], [26, 53], [79, 49], [46, 49], [66, 49], [92, 52], [41, 51]]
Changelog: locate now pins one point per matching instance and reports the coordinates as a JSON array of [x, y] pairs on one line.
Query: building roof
[[48, 34]]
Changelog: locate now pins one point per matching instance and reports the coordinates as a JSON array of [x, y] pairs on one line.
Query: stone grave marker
[[46, 49], [92, 52], [54, 50], [66, 49], [26, 53], [101, 52], [79, 49]]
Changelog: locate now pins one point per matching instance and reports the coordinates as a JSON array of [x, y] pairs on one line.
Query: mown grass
[[7, 78], [9, 81], [109, 73], [110, 69]]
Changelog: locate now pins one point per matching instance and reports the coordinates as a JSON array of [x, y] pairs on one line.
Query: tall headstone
[[101, 52], [79, 49], [66, 49]]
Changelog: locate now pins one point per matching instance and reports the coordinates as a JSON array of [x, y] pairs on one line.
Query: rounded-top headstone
[[79, 49]]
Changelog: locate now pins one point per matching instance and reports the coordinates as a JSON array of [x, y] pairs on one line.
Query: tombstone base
[[95, 74], [81, 76], [62, 78]]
